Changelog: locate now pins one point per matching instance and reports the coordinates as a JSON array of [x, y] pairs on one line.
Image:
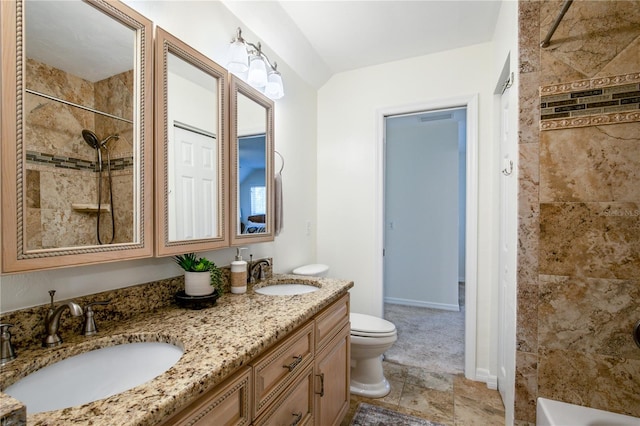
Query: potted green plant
[[201, 276]]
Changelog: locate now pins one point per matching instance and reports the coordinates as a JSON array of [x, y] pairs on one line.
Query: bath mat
[[372, 415]]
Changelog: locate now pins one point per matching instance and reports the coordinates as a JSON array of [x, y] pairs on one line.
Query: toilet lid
[[367, 325], [311, 270]]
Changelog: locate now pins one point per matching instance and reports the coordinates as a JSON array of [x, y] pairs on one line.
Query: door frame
[[470, 102]]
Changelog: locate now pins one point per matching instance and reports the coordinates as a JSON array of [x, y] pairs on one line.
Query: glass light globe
[[257, 72], [238, 59], [274, 88]]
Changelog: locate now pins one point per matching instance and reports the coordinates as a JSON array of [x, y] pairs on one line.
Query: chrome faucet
[[259, 267], [52, 321], [7, 353]]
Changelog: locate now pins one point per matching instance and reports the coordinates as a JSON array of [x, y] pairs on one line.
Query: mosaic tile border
[[60, 161], [593, 102]]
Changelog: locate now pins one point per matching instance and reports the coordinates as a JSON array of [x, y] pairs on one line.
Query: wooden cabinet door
[[227, 404], [332, 370]]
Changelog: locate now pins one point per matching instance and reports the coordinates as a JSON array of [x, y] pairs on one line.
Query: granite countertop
[[216, 342]]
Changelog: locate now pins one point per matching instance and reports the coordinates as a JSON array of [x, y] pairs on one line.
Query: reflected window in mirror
[[252, 184], [80, 127], [191, 149]]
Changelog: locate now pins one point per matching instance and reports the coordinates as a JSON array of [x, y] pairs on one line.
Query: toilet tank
[[313, 270]]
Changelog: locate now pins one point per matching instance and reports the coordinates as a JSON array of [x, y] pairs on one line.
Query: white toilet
[[370, 338]]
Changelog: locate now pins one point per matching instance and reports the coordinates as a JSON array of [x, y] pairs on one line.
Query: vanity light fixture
[[248, 61]]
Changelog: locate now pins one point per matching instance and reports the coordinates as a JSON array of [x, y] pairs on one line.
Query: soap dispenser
[[239, 273]]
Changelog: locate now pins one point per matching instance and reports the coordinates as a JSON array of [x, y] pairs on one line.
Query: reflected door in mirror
[[192, 167]]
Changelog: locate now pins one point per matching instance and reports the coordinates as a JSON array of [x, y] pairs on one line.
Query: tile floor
[[444, 398]]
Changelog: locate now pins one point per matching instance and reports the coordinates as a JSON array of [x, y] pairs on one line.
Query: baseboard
[[483, 375], [422, 304]]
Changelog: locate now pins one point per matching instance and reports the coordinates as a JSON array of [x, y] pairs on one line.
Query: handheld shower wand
[[92, 140]]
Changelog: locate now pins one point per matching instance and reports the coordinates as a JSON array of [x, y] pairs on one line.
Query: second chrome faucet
[[258, 266]]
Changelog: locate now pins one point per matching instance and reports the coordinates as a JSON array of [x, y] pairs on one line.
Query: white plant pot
[[197, 283]]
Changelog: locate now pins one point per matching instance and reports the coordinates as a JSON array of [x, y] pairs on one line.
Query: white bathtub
[[555, 413]]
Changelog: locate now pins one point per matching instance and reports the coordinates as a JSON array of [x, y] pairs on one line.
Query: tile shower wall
[[579, 207], [62, 168]]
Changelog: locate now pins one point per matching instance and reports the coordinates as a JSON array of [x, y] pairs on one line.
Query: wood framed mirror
[[251, 150], [76, 134], [191, 149]]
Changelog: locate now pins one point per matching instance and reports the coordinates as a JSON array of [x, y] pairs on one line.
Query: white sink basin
[[93, 375], [286, 289]]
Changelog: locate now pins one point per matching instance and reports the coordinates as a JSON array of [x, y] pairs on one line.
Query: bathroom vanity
[[302, 380], [250, 359]]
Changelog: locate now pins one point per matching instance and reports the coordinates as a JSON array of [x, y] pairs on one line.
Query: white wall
[[347, 167], [208, 27]]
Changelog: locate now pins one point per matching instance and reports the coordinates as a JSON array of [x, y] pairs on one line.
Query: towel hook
[[282, 158]]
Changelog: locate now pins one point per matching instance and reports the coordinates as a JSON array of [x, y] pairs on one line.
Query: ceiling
[[318, 38]]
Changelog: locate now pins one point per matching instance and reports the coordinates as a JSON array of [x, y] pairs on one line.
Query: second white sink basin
[[94, 375], [286, 289]]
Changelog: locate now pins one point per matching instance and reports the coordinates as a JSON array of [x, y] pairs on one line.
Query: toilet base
[[368, 390], [367, 378]]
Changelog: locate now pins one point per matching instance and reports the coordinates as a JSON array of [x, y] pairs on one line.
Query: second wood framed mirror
[[251, 158], [191, 149]]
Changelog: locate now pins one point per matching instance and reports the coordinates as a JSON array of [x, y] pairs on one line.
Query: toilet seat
[[369, 326], [311, 270]]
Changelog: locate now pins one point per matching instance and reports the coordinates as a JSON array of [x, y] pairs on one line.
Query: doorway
[[424, 208], [470, 104], [424, 237]]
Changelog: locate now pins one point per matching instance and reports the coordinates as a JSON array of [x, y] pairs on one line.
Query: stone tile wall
[[579, 208]]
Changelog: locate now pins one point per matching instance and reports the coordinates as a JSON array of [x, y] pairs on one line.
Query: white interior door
[[507, 261], [195, 187]]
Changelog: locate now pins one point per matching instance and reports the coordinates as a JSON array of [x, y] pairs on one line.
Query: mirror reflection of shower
[[95, 143]]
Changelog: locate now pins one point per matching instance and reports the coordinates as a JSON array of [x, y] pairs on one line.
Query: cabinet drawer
[[331, 320], [226, 404], [294, 406], [275, 370]]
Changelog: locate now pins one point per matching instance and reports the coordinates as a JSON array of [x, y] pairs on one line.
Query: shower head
[[91, 139]]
